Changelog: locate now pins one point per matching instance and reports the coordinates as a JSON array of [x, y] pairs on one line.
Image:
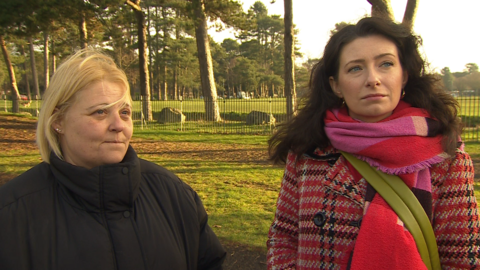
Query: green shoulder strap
[[402, 200]]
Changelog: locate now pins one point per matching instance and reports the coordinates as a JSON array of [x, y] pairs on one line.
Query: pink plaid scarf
[[404, 144]]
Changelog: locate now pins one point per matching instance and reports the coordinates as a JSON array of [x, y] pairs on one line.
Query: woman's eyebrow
[[97, 105], [361, 60]]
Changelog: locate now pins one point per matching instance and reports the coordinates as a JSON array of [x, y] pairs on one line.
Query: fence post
[[141, 112], [270, 111], [181, 113], [224, 114], [5, 102]]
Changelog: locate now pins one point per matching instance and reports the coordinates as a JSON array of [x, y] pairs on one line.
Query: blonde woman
[[92, 203]]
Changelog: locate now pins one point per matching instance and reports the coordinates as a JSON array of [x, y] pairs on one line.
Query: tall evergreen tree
[[290, 91]]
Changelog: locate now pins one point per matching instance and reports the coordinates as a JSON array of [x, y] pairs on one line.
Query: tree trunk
[[175, 82], [163, 66], [142, 59], [205, 61], [82, 29], [410, 14], [11, 74], [54, 59], [34, 68], [27, 83], [165, 84], [290, 91], [382, 8], [45, 59]]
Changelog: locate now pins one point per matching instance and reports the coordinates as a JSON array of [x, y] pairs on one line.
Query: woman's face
[[370, 78], [92, 135]]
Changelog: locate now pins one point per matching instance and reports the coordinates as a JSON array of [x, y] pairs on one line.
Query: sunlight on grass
[[473, 149], [177, 136], [17, 162], [239, 198]]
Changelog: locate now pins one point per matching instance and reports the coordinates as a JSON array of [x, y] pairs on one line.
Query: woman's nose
[[373, 79], [117, 123]]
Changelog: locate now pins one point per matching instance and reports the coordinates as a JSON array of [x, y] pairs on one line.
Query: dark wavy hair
[[305, 131]]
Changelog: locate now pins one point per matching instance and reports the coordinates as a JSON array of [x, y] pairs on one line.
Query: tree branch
[[410, 14], [135, 6], [382, 8]]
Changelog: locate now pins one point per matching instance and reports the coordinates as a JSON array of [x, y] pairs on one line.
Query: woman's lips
[[374, 96]]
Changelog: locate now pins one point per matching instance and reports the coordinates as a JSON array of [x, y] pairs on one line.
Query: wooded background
[[165, 50]]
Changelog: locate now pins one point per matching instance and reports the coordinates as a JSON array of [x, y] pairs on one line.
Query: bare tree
[[34, 68], [290, 91], [383, 8], [11, 74], [82, 28], [45, 59], [142, 59], [25, 76], [205, 61], [410, 14]]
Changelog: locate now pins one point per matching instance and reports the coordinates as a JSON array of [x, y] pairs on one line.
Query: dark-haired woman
[[370, 96]]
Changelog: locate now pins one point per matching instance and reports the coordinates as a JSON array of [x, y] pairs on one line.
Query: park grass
[[175, 136], [17, 162], [239, 197]]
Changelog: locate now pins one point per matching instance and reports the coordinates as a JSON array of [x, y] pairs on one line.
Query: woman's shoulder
[[454, 170], [157, 174], [30, 182], [328, 154], [459, 161]]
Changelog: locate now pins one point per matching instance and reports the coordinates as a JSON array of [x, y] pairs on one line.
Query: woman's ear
[[57, 123], [405, 78], [333, 85]]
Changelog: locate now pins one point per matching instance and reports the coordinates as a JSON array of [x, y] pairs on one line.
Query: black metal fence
[[242, 116]]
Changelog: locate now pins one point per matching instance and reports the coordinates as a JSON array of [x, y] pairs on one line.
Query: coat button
[[356, 223], [126, 214], [125, 170], [319, 219]]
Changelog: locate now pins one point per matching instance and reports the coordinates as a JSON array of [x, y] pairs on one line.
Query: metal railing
[[242, 116]]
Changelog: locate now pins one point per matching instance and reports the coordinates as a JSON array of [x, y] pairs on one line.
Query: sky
[[450, 29]]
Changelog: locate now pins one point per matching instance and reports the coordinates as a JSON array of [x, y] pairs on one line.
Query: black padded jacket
[[130, 215]]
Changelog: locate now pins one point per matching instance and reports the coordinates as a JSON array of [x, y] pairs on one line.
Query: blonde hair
[[78, 72]]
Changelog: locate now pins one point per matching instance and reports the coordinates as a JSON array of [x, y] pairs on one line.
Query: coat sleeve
[[211, 253], [283, 234], [456, 216]]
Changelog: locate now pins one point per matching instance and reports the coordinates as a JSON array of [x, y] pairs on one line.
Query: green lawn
[[239, 197]]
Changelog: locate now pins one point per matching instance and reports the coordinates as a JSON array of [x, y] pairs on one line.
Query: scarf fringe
[[407, 169]]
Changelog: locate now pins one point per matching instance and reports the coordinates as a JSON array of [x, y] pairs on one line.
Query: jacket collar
[[111, 188], [338, 178]]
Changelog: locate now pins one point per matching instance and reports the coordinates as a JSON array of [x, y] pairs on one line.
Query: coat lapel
[[339, 180]]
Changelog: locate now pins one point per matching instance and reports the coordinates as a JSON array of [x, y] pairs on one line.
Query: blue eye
[[100, 112], [387, 64], [354, 69]]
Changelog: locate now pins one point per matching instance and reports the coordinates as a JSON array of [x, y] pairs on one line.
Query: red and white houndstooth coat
[[320, 207]]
